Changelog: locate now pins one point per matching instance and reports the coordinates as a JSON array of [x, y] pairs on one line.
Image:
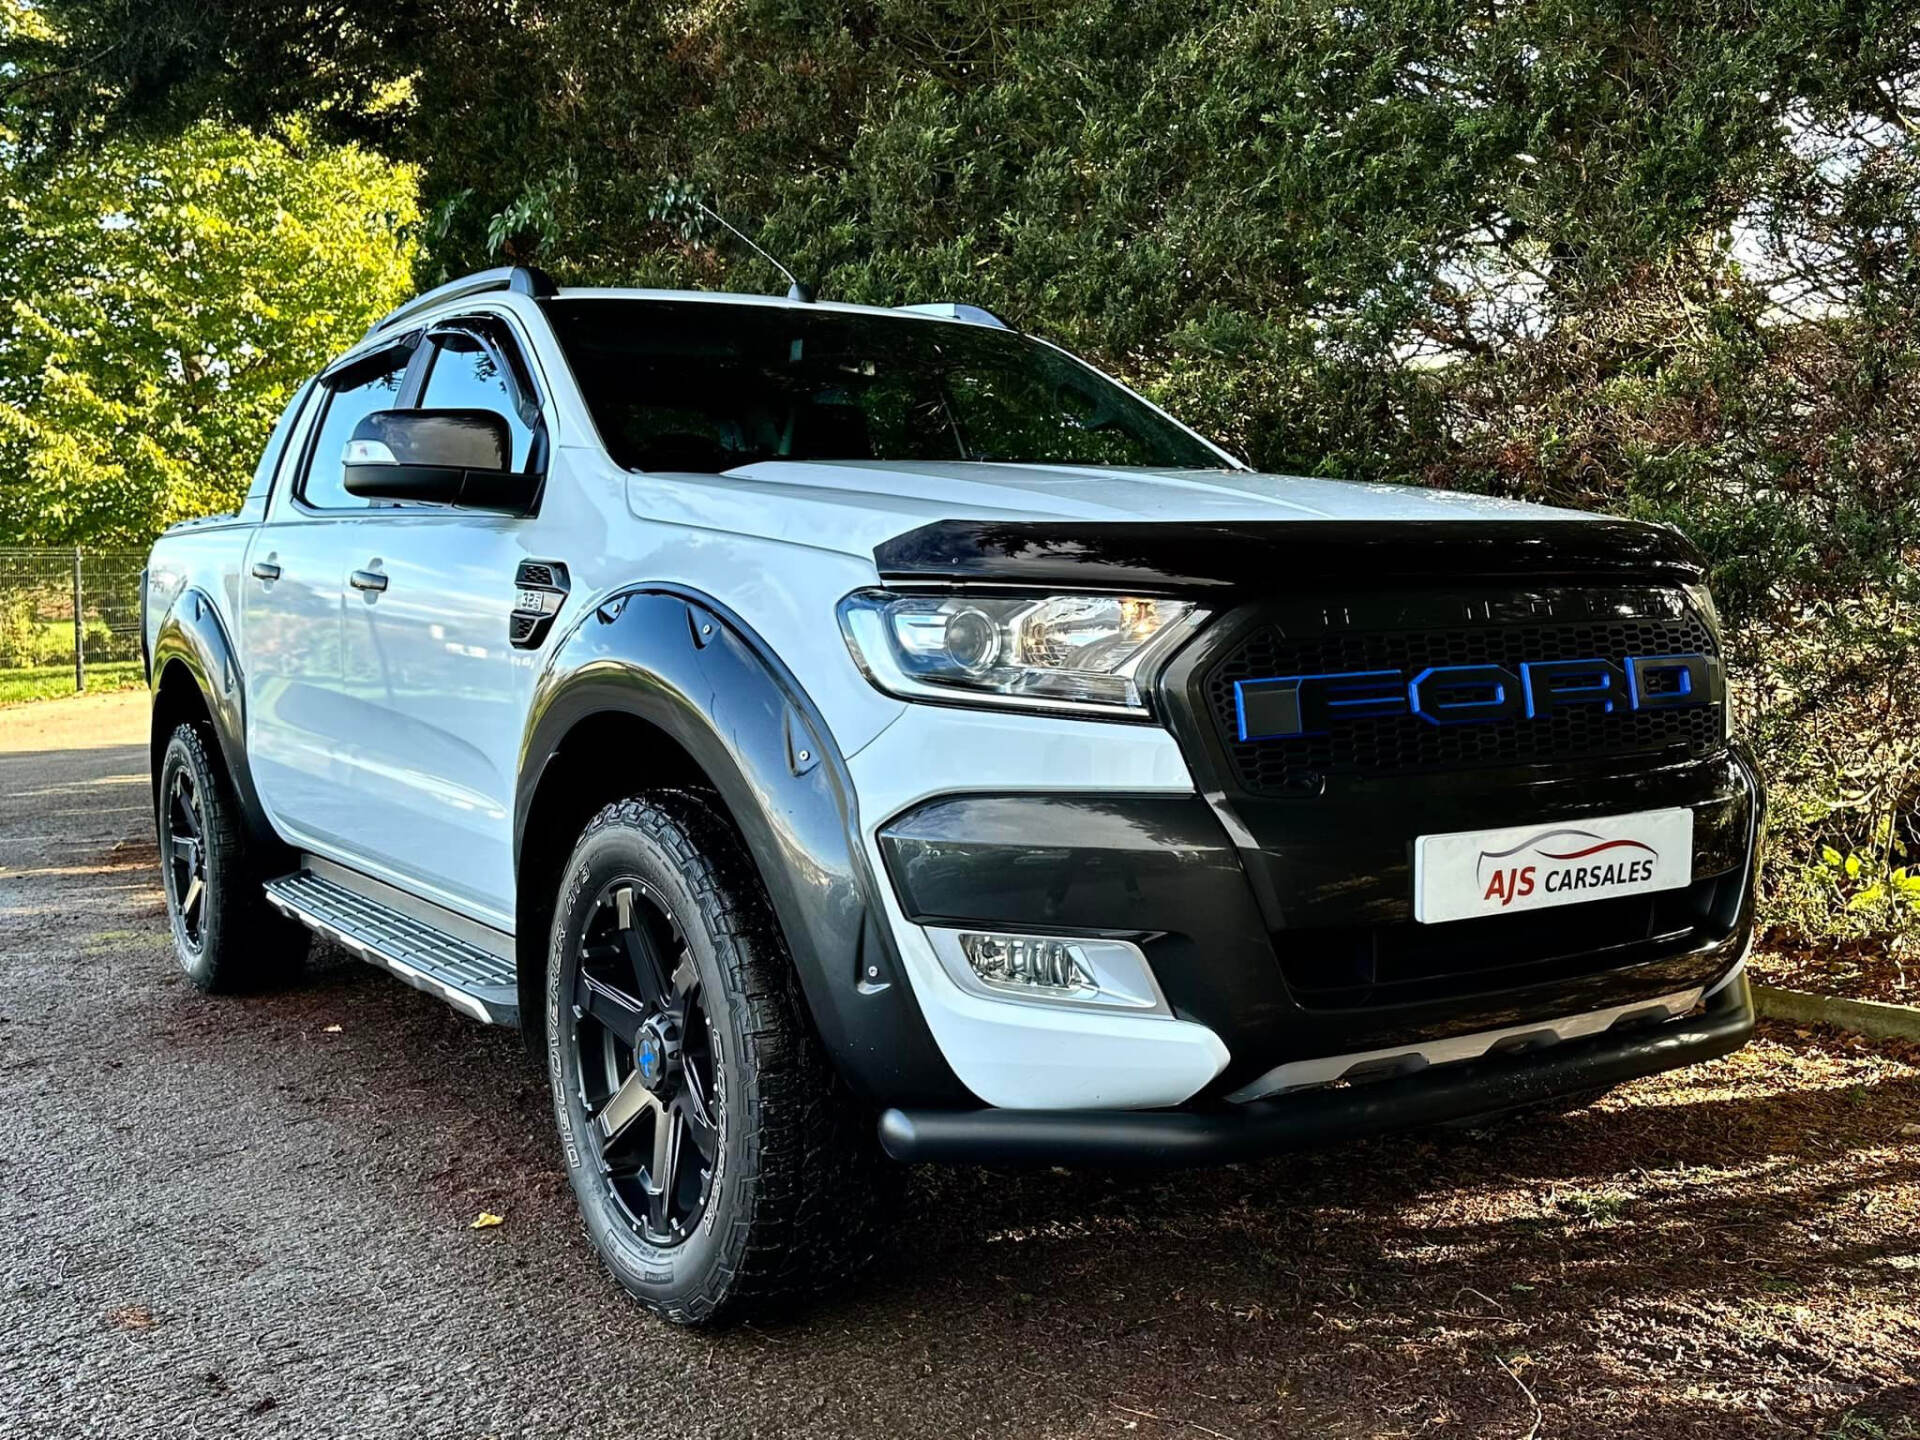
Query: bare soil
[[252, 1217]]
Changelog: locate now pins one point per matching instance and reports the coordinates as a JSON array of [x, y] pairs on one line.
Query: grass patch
[[50, 682], [1854, 1426], [1599, 1207]]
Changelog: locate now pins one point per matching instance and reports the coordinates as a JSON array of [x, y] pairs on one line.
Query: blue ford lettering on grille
[[1285, 706]]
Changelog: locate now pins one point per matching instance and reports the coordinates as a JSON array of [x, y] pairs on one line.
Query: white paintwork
[[384, 733], [1326, 1069], [949, 310], [441, 698], [855, 505], [942, 749], [1021, 1056], [1010, 1052]]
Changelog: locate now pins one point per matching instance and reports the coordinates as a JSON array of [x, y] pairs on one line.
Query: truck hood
[[1088, 525], [930, 490]]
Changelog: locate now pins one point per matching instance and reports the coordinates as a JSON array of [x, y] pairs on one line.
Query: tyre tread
[[811, 1166]]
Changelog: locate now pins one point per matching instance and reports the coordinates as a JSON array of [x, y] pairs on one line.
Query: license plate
[[1535, 867]]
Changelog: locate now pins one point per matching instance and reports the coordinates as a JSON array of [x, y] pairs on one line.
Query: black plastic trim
[[1170, 1139], [1282, 554], [193, 634], [1158, 868], [348, 364], [683, 662], [527, 628]]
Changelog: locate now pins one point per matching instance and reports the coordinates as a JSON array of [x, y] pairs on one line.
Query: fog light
[[1070, 970], [1037, 960]]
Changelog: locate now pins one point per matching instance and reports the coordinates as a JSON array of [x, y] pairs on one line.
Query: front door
[[429, 662]]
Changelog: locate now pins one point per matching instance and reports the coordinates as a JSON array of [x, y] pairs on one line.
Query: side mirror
[[440, 457]]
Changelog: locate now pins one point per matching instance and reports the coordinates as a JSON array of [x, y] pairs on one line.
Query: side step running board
[[469, 978]]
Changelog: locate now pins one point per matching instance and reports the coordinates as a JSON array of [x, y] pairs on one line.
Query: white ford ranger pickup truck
[[838, 736]]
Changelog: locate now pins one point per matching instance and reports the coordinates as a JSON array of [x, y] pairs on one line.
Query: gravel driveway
[[251, 1217]]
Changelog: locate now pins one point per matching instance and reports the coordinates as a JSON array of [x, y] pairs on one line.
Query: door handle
[[266, 570], [367, 580]]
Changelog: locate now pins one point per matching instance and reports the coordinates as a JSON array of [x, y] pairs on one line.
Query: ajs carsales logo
[[1559, 861]]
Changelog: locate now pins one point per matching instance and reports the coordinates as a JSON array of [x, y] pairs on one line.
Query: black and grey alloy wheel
[[719, 1164], [648, 1078], [225, 934], [183, 838]]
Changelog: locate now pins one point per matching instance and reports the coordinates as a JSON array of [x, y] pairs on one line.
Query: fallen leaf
[[487, 1221]]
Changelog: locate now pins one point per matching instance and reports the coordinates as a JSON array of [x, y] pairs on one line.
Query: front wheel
[[718, 1162]]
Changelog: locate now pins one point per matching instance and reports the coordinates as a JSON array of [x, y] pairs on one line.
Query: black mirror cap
[[438, 457], [454, 439]]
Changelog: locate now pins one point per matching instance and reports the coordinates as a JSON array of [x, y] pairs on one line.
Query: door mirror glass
[[438, 457]]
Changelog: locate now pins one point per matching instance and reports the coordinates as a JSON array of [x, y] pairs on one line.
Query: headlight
[[1089, 654]]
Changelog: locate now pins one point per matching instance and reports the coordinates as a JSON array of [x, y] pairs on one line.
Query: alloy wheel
[[186, 854], [649, 1071]]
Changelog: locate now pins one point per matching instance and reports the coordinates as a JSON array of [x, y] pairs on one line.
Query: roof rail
[[972, 314], [520, 279]]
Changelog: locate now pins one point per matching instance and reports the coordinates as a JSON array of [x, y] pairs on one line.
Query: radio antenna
[[795, 290]]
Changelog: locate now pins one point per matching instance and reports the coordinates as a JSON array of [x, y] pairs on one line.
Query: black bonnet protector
[[1188, 556]]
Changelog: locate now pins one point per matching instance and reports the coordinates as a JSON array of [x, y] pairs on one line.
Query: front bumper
[[1222, 1133], [1246, 979]]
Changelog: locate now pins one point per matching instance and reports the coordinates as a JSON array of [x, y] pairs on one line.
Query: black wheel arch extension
[[193, 640], [695, 673]]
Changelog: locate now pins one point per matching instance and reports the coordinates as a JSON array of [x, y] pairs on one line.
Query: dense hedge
[[1659, 258]]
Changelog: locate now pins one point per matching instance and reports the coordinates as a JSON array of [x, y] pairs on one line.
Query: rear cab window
[[469, 372]]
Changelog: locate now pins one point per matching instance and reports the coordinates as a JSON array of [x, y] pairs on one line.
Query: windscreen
[[698, 385]]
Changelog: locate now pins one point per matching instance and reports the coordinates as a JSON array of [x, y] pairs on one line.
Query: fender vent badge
[[542, 587]]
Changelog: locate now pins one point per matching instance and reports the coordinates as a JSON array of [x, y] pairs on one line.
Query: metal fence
[[68, 609]]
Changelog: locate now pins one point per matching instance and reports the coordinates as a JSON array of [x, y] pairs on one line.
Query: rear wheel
[[225, 935], [719, 1164]]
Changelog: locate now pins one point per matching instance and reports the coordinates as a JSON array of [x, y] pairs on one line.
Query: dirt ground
[[1855, 969], [251, 1217]]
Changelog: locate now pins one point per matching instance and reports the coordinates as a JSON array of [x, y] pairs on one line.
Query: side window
[[350, 397], [465, 376]]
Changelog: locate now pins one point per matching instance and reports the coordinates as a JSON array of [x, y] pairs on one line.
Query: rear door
[[300, 722], [430, 665]]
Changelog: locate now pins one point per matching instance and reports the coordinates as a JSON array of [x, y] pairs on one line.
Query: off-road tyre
[[226, 937], [793, 1203]]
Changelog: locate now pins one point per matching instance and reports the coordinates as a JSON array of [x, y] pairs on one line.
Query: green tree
[[1659, 257], [160, 299]]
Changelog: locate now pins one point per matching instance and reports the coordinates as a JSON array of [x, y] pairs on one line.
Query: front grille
[[1404, 744], [1374, 966]]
